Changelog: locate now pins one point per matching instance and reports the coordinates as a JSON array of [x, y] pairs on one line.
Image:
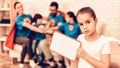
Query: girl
[[41, 42], [37, 37], [94, 51], [23, 31], [70, 28]]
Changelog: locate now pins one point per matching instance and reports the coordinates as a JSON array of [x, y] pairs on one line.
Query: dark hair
[[54, 4], [87, 10], [72, 15], [15, 4], [37, 16]]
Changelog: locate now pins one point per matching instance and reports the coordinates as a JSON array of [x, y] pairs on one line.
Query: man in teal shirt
[[56, 15]]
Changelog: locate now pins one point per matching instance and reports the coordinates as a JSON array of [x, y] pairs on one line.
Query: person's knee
[[43, 43], [24, 47], [28, 42]]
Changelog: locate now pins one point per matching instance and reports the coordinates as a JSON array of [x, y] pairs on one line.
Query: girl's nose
[[84, 26]]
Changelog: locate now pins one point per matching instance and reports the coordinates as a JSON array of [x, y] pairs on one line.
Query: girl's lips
[[86, 31]]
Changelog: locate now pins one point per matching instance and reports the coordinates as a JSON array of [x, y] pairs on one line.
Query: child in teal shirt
[[37, 37], [70, 28]]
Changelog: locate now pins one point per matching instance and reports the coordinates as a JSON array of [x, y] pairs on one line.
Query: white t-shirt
[[94, 49]]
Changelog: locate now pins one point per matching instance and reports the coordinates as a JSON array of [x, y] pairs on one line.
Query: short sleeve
[[30, 17], [61, 28], [61, 19], [106, 47]]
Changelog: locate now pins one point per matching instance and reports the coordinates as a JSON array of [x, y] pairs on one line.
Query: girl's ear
[[96, 20], [71, 19]]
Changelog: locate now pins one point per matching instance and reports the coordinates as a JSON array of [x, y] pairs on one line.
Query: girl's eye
[[81, 24], [88, 22]]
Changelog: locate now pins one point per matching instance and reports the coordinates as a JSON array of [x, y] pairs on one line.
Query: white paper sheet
[[64, 45]]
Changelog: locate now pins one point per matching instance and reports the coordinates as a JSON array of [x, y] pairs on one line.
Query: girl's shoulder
[[65, 23], [104, 39], [27, 14]]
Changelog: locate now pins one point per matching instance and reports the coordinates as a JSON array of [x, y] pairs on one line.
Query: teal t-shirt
[[20, 30], [57, 19], [72, 30], [37, 35]]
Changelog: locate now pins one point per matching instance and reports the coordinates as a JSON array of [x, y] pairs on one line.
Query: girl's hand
[[50, 40], [49, 31], [81, 52], [59, 24], [42, 28]]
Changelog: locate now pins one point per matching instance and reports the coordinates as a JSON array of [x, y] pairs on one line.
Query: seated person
[[41, 42], [56, 15], [37, 37], [23, 31]]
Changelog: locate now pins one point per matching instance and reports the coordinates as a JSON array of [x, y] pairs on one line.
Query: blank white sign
[[64, 45]]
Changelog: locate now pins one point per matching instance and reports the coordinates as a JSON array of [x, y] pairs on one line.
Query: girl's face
[[39, 21], [87, 23], [19, 8], [68, 19]]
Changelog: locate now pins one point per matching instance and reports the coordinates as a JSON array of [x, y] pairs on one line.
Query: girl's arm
[[51, 30], [31, 27], [103, 63], [26, 23]]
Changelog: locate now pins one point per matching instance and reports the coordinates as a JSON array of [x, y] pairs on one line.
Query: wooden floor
[[6, 61]]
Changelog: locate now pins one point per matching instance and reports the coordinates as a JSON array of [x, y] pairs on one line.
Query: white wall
[[107, 11]]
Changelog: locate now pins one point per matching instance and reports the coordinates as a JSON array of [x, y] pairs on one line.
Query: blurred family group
[[35, 34]]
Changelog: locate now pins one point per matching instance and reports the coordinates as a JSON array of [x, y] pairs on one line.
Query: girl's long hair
[[72, 15]]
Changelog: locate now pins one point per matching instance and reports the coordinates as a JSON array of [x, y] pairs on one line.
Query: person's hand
[[33, 23], [49, 40], [49, 31], [52, 23], [81, 52], [59, 24], [42, 28], [27, 20]]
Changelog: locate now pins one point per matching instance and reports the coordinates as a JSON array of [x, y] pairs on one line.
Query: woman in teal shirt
[[23, 32], [20, 30]]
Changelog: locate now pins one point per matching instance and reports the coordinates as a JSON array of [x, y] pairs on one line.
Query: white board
[[64, 45]]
